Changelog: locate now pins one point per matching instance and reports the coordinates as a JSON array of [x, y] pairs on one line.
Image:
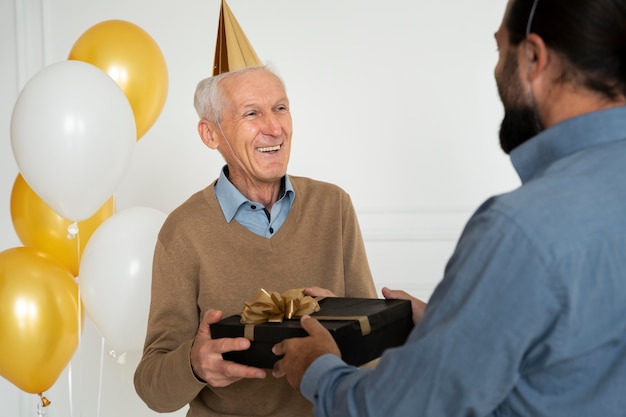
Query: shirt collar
[[230, 198], [568, 137]]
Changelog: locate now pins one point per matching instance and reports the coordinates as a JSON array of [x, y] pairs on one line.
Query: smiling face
[[254, 134]]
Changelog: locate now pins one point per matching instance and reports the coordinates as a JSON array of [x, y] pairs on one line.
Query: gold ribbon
[[274, 307], [364, 322]]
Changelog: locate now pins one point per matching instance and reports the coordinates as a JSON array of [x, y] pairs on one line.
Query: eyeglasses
[[531, 16]]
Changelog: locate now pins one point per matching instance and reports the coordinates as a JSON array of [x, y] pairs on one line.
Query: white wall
[[394, 101]]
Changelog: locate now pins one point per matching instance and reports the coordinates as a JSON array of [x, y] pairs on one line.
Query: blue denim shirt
[[250, 214], [530, 317]]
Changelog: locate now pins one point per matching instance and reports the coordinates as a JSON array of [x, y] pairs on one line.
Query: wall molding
[[30, 39]]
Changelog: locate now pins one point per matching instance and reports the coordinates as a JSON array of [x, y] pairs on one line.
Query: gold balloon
[[38, 226], [39, 320], [132, 58]]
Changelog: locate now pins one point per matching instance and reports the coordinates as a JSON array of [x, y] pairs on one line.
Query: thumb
[[210, 317], [395, 294], [311, 325]]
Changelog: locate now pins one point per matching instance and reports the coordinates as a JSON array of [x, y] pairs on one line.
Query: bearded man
[[529, 317]]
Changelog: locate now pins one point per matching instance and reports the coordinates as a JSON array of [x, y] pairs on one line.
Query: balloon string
[[100, 378], [69, 388], [80, 302], [75, 227], [80, 345], [74, 232], [78, 254]]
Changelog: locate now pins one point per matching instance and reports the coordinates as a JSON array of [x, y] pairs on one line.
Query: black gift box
[[390, 323]]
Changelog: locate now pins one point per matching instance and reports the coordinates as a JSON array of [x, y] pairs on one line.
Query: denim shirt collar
[[568, 137], [230, 198]]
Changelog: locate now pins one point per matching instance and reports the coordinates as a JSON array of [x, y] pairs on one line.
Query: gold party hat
[[232, 49]]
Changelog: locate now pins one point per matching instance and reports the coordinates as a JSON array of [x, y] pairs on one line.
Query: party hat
[[232, 49]]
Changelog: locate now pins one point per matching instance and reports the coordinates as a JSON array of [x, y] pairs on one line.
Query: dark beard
[[518, 125], [520, 121]]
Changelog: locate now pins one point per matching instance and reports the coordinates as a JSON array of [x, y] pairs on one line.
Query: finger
[[211, 316], [280, 348], [318, 292], [233, 370], [229, 344], [417, 306], [395, 294], [312, 326], [388, 294], [277, 371]]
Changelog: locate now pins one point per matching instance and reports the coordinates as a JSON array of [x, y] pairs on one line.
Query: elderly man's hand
[[206, 355], [300, 352], [318, 292]]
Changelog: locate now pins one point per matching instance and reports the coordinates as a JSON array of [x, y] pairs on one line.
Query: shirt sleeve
[[466, 354]]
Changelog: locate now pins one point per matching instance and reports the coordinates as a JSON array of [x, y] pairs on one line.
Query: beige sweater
[[202, 262]]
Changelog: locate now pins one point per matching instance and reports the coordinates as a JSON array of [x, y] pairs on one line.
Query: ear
[[208, 133], [533, 57]]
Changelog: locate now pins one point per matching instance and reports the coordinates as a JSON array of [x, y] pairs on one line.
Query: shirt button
[[271, 230], [253, 207]]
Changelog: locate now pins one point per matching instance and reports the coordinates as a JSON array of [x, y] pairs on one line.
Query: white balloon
[[73, 134], [116, 273]]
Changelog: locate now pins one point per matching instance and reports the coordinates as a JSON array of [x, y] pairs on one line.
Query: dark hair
[[589, 34]]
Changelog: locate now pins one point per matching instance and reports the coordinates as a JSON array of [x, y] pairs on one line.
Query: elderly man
[[529, 319], [254, 227]]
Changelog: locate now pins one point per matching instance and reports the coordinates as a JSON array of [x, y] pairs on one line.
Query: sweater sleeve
[[358, 277], [164, 379]]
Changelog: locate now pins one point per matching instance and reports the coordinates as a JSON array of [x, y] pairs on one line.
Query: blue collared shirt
[[250, 214], [530, 317]]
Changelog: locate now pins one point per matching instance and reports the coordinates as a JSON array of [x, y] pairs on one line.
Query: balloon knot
[[120, 358], [44, 401], [72, 230]]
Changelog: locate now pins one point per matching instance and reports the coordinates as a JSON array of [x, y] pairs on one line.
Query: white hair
[[209, 99]]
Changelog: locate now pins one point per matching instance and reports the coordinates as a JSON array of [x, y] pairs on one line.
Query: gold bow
[[274, 307]]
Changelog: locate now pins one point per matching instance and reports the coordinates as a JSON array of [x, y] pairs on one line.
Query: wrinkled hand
[[300, 352], [206, 355], [417, 305], [318, 292]]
